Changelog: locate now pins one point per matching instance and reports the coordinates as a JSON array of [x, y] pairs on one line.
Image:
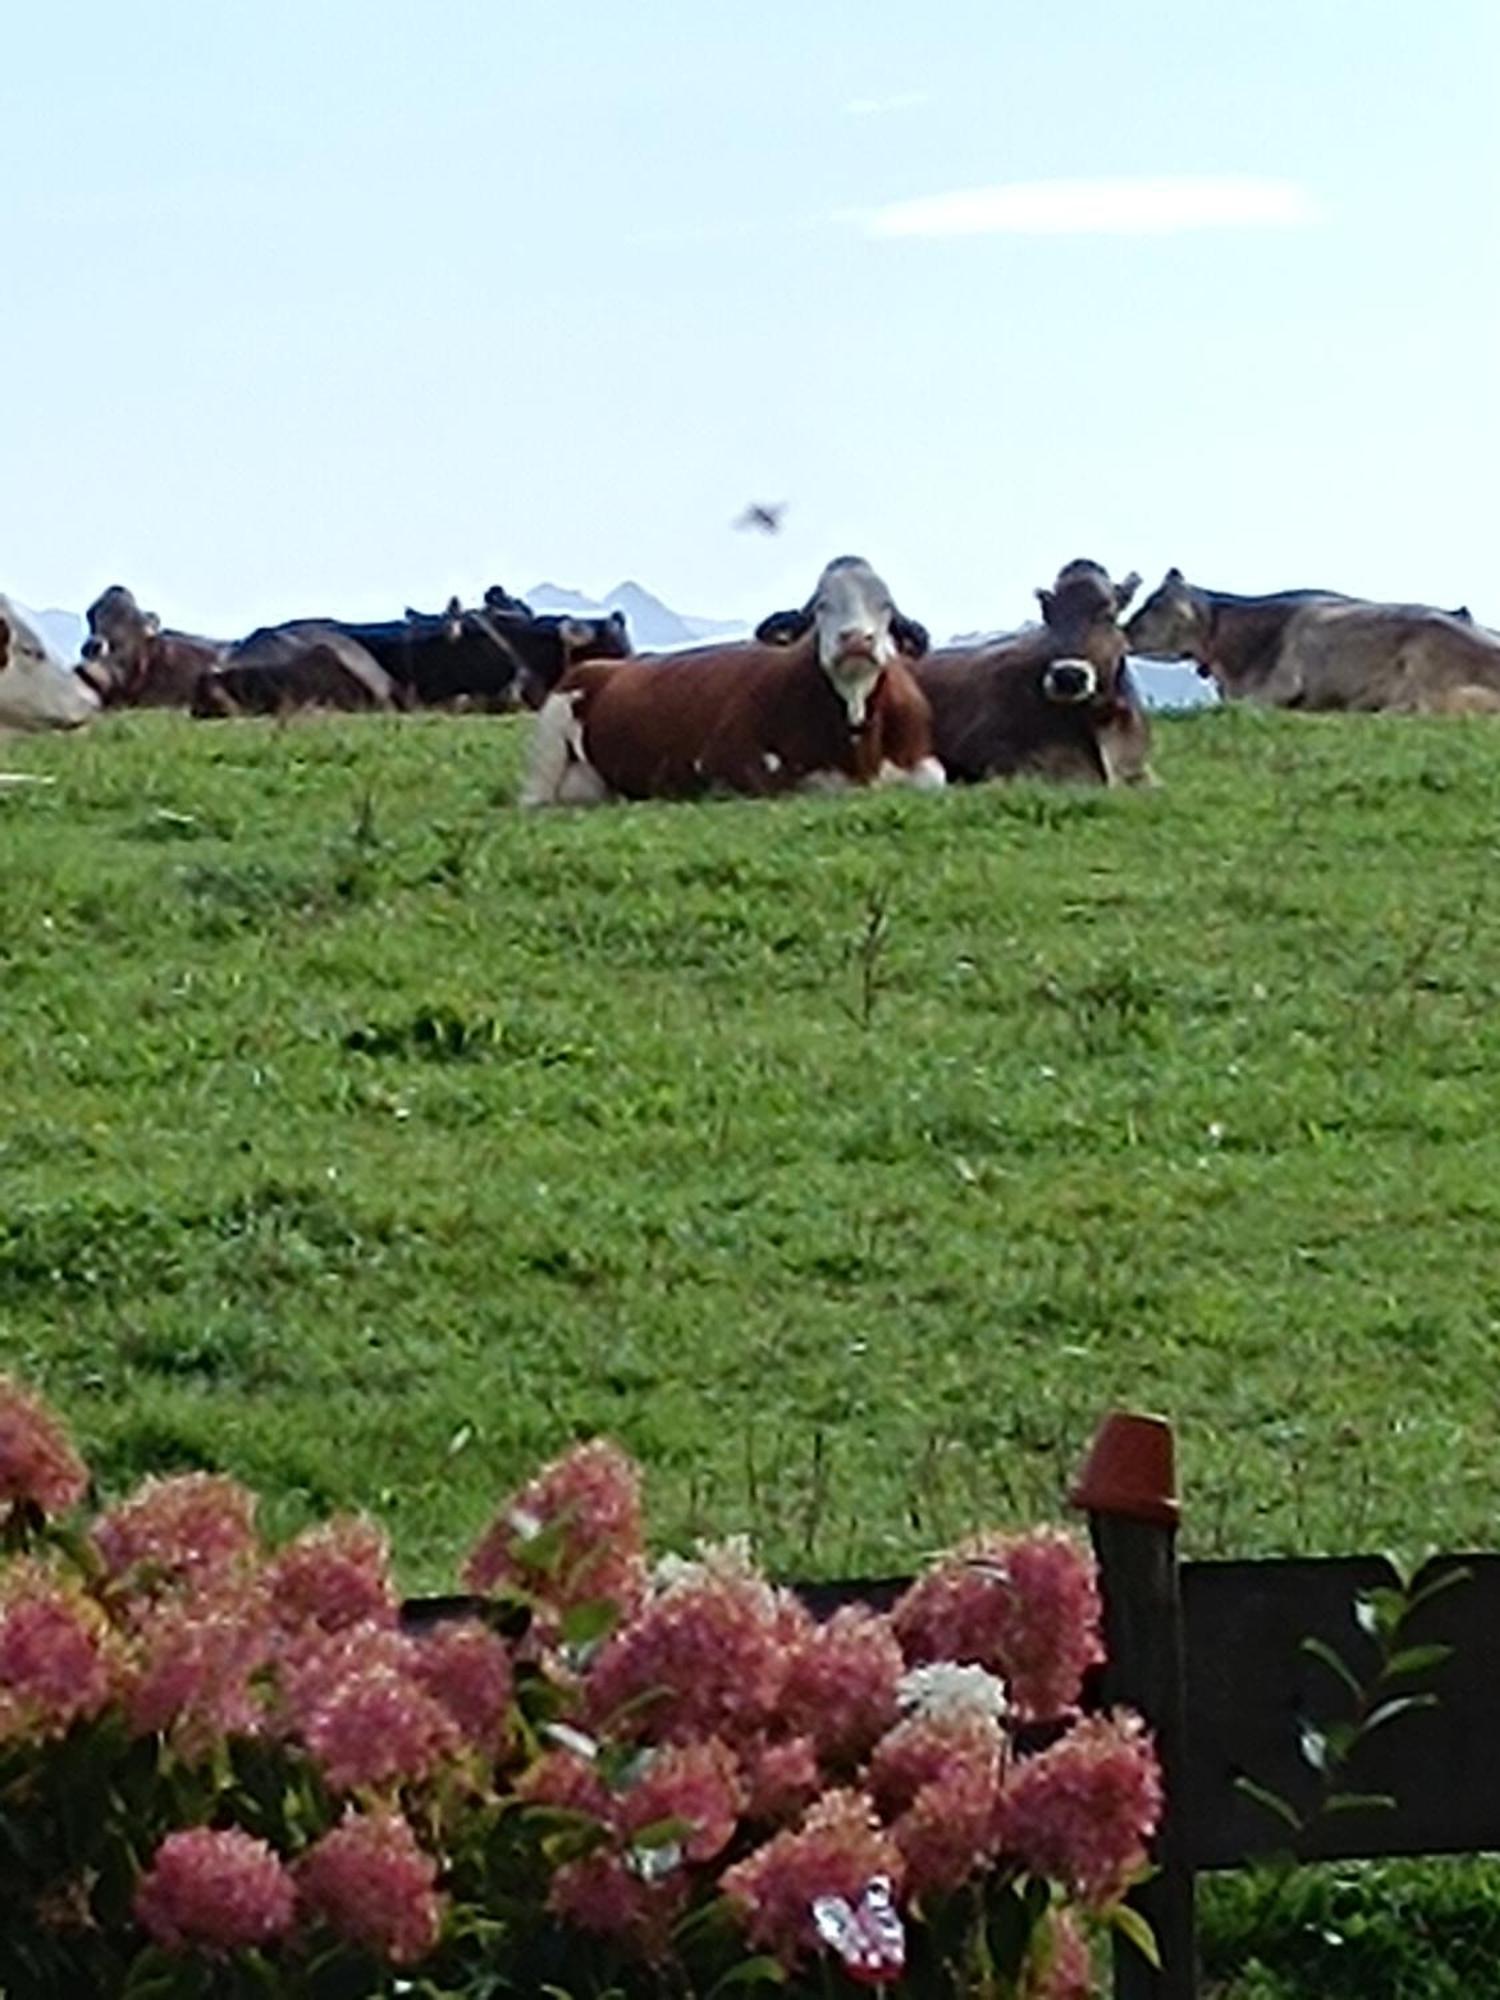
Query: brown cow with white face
[[1317, 649], [821, 698], [132, 663], [1053, 700]]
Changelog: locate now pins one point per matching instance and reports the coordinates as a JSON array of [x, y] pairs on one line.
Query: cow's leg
[[926, 775], [559, 774]]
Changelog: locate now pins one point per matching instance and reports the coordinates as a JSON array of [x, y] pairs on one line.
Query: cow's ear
[[575, 634], [1125, 590], [4, 644], [453, 621], [911, 638], [784, 628], [151, 625], [1175, 575], [499, 602], [1046, 599]]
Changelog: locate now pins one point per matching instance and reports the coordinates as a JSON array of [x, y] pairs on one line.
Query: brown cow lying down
[[1316, 649], [821, 698], [334, 673], [130, 662], [1053, 700]]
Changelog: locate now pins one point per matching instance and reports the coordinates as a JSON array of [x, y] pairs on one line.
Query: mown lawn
[[847, 1158]]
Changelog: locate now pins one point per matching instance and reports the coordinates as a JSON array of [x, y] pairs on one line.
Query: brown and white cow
[[821, 698], [1053, 700], [132, 663], [1316, 649]]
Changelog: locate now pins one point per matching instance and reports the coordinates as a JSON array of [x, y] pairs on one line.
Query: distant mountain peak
[[653, 623]]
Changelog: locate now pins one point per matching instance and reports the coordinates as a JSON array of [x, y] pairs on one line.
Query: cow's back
[[1384, 656]]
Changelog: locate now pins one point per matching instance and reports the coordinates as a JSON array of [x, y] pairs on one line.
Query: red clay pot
[[1131, 1470]]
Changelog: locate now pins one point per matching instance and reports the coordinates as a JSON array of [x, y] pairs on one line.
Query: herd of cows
[[845, 690]]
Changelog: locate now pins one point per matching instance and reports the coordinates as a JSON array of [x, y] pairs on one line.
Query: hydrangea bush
[[226, 1769]]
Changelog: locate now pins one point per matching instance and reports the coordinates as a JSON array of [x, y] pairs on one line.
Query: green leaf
[[1380, 1612], [586, 1624], [1398, 1704], [1444, 1580], [1272, 1801], [1415, 1660], [1129, 1922], [662, 1833], [750, 1972], [1320, 1649], [1359, 1802], [1313, 1744]]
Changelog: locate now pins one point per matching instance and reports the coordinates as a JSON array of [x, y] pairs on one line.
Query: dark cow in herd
[[131, 662], [496, 656], [1316, 649], [1053, 700], [822, 697], [499, 656]]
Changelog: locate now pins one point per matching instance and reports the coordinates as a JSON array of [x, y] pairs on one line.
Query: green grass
[[846, 1158]]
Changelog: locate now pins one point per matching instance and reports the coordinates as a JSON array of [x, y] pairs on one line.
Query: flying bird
[[760, 514]]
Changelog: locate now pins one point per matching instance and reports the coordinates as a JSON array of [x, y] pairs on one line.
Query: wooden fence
[[1214, 1656]]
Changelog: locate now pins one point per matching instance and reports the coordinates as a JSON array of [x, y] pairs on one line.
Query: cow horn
[[1125, 589]]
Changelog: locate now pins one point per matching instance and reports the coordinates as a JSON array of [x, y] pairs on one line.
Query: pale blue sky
[[335, 305]]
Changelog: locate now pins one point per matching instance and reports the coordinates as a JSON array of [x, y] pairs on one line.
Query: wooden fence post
[[1128, 1487]]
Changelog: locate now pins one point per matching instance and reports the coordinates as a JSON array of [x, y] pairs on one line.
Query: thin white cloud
[[1122, 207], [877, 107]]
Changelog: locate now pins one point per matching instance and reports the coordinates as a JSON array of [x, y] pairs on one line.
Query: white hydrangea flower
[[729, 1560], [945, 1690]]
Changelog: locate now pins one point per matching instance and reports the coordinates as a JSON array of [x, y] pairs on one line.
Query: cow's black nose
[[1068, 680]]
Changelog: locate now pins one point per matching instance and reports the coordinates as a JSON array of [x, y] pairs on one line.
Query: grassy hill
[[847, 1158], [844, 1157]]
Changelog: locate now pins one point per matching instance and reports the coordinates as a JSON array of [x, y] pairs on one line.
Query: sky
[[334, 306]]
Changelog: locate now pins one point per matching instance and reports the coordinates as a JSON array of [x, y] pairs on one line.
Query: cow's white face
[[36, 690], [852, 612]]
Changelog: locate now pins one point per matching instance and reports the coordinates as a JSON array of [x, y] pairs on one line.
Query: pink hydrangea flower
[[590, 1501], [311, 1663], [334, 1576], [371, 1883], [838, 1850], [38, 1465], [925, 1748], [214, 1891], [1024, 1606], [603, 1895], [191, 1676], [697, 1783], [57, 1663], [781, 1779], [569, 1781], [378, 1726], [1064, 1966], [938, 1779], [468, 1669], [1083, 1810], [189, 1531], [841, 1683], [706, 1657]]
